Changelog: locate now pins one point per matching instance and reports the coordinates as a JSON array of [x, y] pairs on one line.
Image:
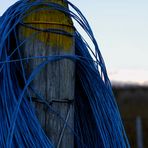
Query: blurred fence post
[[139, 133]]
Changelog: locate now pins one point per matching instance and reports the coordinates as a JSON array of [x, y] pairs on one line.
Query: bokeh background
[[120, 28]]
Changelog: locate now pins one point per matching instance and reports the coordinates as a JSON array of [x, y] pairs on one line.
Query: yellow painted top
[[53, 19]]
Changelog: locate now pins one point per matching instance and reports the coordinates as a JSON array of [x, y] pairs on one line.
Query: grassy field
[[133, 102]]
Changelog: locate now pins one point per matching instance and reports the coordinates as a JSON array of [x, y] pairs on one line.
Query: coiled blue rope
[[97, 119]]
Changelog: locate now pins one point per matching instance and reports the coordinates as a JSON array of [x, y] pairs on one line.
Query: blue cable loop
[[97, 120]]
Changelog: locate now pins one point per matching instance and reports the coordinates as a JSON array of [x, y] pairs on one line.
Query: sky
[[121, 30]]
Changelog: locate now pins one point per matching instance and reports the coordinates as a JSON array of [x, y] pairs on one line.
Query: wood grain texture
[[56, 80]]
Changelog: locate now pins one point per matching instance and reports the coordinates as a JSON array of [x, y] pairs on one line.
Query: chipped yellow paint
[[55, 20]]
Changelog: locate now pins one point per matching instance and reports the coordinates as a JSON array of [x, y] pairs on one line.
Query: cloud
[[129, 75]]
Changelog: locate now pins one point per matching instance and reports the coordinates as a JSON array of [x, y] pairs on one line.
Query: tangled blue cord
[[97, 119]]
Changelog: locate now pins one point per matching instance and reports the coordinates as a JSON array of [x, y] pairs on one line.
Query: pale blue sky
[[121, 29]]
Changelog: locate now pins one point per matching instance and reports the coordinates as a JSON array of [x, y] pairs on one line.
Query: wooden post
[[56, 81]]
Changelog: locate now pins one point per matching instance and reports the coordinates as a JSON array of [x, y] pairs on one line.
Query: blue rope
[[97, 120]]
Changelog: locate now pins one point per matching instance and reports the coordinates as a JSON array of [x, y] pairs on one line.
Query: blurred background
[[120, 28]]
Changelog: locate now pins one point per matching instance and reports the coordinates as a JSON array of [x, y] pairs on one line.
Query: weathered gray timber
[[55, 82]]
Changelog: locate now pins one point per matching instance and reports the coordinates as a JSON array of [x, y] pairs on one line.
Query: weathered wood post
[[56, 81]]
